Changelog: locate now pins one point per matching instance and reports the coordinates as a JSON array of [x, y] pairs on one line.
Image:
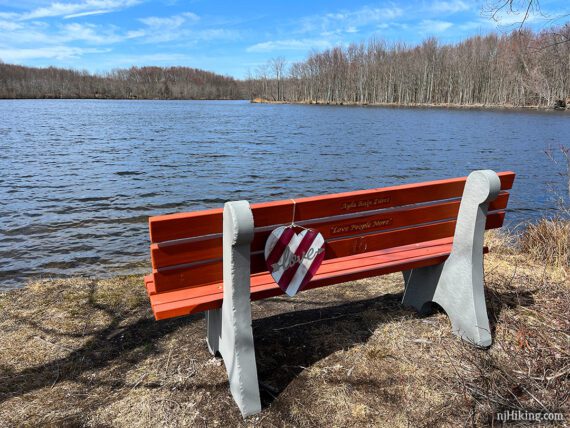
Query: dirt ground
[[82, 352]]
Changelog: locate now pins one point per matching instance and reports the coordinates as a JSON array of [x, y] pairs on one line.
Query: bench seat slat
[[186, 301], [172, 254], [202, 274], [187, 225]]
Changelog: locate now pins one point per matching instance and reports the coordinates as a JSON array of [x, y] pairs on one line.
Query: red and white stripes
[[293, 259]]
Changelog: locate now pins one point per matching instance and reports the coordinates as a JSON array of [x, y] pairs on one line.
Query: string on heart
[[293, 224]]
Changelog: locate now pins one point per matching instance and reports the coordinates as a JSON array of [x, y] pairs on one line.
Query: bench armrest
[[481, 188]]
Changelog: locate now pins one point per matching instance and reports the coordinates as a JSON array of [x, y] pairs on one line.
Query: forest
[[134, 83], [517, 69]]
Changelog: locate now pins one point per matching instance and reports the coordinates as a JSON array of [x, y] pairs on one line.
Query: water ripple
[[80, 178]]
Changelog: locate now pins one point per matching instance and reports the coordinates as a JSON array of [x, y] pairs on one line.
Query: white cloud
[[481, 24], [514, 19], [432, 26], [88, 13], [348, 20], [135, 34], [8, 15], [70, 10], [186, 36], [366, 15], [89, 33], [31, 35], [160, 29], [215, 34], [24, 4], [329, 29], [52, 52], [179, 28], [291, 44], [450, 7], [9, 26], [34, 34], [156, 58], [27, 34], [174, 21]]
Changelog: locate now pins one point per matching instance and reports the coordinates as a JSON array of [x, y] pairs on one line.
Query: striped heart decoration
[[293, 259]]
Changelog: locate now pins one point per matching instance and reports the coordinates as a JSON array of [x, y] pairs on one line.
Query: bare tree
[[136, 82], [492, 70], [522, 10], [278, 67]]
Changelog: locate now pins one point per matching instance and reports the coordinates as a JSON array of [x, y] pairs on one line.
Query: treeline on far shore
[[519, 69], [133, 83]]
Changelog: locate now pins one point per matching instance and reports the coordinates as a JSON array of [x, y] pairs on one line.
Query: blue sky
[[223, 36]]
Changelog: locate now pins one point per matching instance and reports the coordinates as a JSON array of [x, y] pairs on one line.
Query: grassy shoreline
[[418, 105], [88, 352]]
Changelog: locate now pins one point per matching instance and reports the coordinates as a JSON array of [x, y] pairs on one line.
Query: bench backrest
[[186, 248]]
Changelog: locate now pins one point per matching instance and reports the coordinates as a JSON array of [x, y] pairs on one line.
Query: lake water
[[79, 178]]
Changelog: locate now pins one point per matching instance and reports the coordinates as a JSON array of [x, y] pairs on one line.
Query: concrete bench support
[[457, 284], [229, 328]]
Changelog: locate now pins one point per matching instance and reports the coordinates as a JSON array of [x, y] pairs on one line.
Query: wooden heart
[[293, 259]]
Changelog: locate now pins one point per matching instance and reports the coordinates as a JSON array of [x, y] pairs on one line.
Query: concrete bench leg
[[229, 328], [457, 284], [214, 329]]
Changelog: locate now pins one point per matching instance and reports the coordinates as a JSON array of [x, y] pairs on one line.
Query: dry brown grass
[[88, 353], [548, 241]]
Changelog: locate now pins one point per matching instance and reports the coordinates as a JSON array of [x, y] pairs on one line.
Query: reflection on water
[[79, 178]]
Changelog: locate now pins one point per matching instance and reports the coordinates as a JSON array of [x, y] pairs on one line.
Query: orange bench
[[367, 233]]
